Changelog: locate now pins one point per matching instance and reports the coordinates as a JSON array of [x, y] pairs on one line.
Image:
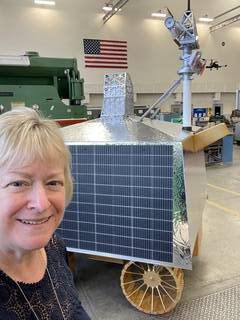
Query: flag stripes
[[105, 53]]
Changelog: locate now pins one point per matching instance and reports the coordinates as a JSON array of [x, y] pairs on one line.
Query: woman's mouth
[[34, 221]]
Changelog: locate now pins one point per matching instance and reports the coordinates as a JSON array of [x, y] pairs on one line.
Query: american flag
[[105, 53]]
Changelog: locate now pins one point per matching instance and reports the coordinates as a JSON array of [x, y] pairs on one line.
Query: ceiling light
[[45, 2], [159, 14], [205, 19], [107, 7]]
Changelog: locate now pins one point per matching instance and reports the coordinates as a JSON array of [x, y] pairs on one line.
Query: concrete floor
[[216, 268]]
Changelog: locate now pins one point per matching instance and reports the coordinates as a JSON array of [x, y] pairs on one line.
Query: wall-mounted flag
[[105, 53]]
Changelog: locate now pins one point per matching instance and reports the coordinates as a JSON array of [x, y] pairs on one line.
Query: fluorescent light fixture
[[107, 8], [110, 7], [45, 2], [205, 19], [159, 14]]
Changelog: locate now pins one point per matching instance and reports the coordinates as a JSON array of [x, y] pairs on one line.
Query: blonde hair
[[25, 136]]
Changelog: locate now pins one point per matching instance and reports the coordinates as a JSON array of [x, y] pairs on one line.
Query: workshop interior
[[147, 96]]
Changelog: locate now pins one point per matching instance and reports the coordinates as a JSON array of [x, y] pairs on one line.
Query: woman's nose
[[39, 199]]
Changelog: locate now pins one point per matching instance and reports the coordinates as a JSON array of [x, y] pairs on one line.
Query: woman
[[35, 187]]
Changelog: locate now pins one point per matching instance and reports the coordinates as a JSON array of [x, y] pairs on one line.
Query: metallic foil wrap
[[118, 125]]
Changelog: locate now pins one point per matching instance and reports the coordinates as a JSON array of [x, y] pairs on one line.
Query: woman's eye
[[18, 185], [55, 184]]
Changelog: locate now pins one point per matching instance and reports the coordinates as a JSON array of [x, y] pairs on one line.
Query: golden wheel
[[151, 288]]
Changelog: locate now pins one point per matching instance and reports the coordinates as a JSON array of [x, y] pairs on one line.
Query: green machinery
[[51, 85]]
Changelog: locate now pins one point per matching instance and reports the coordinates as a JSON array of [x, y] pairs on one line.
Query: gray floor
[[216, 269]]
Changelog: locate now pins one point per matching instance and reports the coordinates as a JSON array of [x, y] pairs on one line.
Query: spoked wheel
[[151, 288]]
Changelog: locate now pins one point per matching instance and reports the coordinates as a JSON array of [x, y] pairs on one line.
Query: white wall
[[153, 57]]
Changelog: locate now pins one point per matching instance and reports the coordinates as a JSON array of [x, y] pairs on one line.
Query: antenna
[[188, 7]]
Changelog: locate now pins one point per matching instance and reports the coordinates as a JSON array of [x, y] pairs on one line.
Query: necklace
[[54, 291]]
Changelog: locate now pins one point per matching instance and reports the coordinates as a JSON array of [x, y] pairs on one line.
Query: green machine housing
[[43, 84]]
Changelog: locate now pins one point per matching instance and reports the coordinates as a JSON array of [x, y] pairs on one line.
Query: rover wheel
[[151, 288]]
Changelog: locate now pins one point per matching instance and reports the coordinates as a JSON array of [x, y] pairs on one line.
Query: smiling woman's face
[[32, 199]]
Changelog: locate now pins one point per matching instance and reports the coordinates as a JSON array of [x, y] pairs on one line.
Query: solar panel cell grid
[[123, 201]]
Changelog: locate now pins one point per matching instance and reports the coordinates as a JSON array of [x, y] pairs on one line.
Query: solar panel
[[122, 204]]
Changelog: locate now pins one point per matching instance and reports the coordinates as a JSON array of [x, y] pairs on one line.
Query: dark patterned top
[[13, 306]]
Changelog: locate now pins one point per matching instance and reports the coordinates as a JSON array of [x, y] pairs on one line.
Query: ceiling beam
[[115, 8], [225, 22], [222, 14]]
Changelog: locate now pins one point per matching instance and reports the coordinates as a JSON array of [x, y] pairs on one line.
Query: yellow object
[[199, 140]]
